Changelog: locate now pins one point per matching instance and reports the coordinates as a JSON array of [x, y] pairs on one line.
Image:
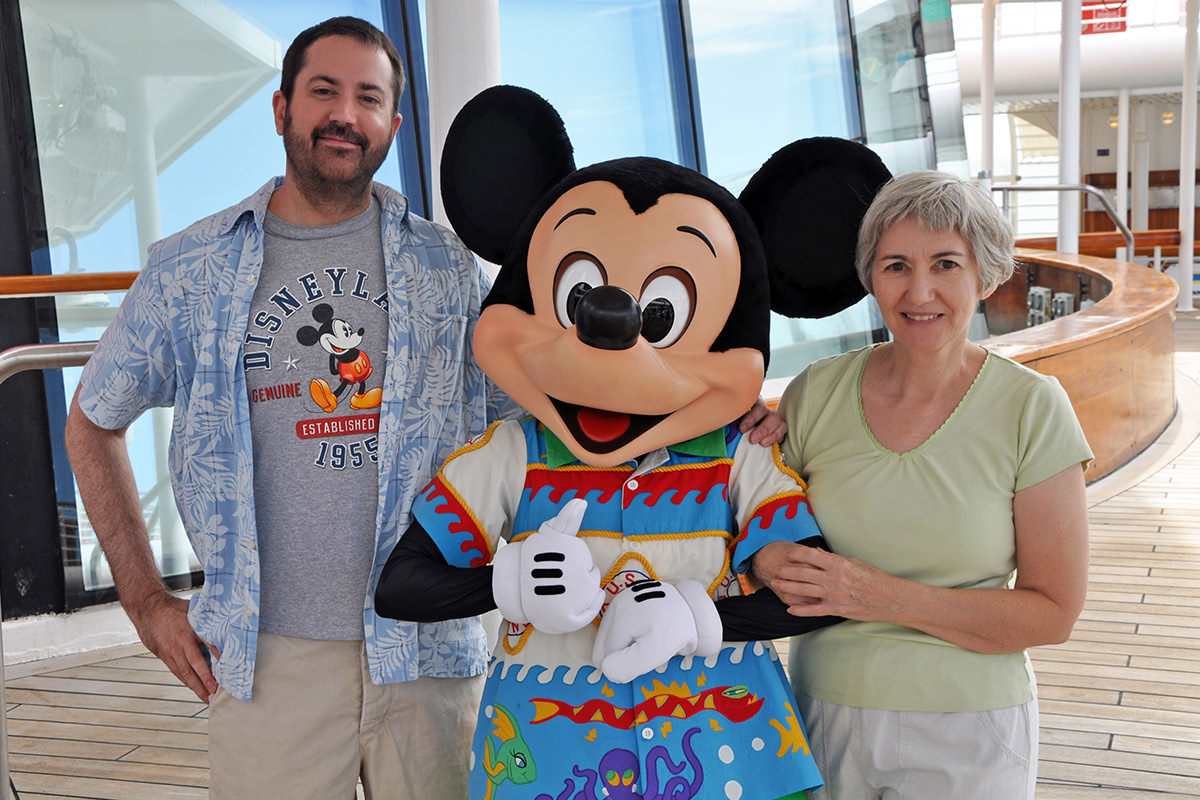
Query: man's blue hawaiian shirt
[[177, 340]]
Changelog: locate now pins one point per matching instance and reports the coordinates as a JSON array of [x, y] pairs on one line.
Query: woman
[[935, 469]]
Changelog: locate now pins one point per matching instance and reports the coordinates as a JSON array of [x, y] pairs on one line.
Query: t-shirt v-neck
[[932, 437]]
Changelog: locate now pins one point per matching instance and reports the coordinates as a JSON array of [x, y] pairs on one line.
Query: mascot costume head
[[630, 318], [631, 307]]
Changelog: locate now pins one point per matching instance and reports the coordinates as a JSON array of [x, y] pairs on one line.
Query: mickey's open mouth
[[601, 431]]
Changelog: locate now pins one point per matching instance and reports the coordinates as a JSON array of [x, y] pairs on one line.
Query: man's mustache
[[341, 132]]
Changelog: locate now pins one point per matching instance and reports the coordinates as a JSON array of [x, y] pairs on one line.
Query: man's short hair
[[355, 28]]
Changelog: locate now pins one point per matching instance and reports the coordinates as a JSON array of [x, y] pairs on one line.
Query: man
[[315, 342]]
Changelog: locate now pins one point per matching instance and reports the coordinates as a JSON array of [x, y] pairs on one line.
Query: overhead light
[[1168, 118], [1113, 119]]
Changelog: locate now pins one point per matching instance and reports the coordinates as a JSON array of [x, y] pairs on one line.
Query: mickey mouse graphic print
[[314, 358]]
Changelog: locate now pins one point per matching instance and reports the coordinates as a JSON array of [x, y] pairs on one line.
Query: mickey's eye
[[668, 300], [577, 274]]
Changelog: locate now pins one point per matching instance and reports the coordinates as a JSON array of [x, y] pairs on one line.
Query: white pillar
[[1123, 158], [1069, 126], [1140, 181], [142, 156], [1187, 163], [987, 96], [464, 59], [174, 546]]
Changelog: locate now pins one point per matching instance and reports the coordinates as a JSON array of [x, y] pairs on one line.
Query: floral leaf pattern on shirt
[[177, 341]]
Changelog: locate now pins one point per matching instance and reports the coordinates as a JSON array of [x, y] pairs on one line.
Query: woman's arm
[[1051, 583]]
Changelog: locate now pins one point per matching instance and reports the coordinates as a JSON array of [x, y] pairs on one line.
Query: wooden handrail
[[1105, 243], [42, 285]]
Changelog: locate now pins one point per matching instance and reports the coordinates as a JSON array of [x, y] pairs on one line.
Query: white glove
[[649, 622], [549, 579]]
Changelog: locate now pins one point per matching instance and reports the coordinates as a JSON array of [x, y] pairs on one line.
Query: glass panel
[[896, 112], [610, 86], [796, 343], [771, 72], [945, 91], [150, 114]]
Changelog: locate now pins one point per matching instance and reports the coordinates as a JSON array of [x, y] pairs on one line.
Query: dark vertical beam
[[852, 87], [402, 22], [681, 67], [31, 570]]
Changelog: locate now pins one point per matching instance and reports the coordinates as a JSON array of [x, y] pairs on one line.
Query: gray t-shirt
[[315, 352]]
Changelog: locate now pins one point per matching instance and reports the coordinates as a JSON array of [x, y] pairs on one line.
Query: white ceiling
[[1142, 59]]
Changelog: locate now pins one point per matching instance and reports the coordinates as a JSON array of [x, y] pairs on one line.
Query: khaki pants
[[316, 724]]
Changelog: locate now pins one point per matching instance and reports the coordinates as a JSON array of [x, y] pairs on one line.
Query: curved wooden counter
[[1116, 359]]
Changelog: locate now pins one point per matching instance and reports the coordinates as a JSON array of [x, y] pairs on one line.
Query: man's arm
[[104, 474]]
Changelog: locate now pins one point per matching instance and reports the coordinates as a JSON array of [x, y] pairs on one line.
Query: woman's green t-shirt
[[941, 514]]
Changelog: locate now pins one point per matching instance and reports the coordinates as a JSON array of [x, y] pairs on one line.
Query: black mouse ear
[[322, 312], [807, 202], [505, 149]]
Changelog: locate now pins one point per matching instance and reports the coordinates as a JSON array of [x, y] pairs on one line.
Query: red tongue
[[602, 426]]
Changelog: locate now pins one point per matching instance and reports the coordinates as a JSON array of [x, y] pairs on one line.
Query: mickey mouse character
[[630, 317], [338, 338]]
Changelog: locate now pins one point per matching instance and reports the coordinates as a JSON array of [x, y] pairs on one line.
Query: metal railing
[[1008, 188], [12, 361], [27, 357]]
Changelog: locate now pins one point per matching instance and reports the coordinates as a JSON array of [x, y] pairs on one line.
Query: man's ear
[[279, 105], [807, 202], [504, 151]]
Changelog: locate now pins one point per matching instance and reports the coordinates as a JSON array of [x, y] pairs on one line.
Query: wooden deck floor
[[1120, 702]]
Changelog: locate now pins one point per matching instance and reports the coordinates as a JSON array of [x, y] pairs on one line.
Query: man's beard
[[323, 176]]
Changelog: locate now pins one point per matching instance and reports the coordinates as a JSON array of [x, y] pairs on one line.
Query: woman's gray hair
[[939, 201]]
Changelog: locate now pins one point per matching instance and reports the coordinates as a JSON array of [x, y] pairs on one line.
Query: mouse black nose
[[608, 318]]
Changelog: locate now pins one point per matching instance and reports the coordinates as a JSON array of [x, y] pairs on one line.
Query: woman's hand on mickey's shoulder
[[763, 424]]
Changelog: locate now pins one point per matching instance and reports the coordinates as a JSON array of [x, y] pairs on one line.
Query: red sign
[[1103, 16]]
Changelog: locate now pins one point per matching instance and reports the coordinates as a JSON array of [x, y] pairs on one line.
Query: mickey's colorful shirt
[[551, 726]]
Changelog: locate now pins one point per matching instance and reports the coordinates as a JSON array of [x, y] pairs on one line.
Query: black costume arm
[[762, 615], [419, 586]]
